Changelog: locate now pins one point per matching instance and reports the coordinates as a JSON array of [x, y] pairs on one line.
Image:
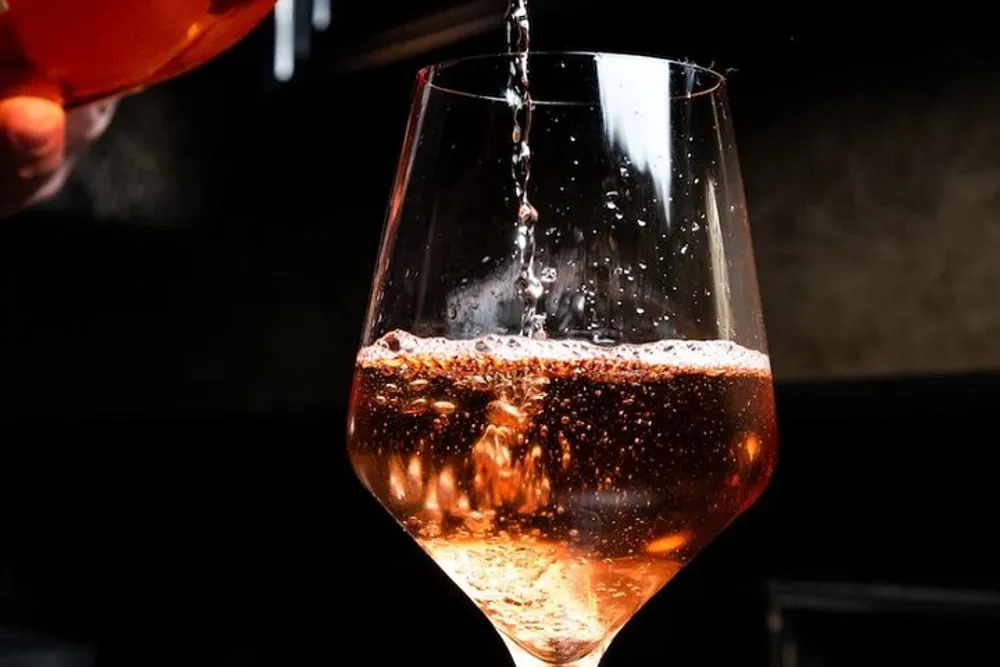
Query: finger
[[48, 188], [32, 147], [87, 124], [32, 137]]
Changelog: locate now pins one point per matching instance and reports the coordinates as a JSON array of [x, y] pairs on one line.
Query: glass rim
[[715, 84]]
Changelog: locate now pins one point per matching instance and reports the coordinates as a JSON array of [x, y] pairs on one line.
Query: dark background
[[179, 329]]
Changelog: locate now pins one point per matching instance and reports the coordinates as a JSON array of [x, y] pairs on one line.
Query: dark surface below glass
[[841, 625], [20, 650]]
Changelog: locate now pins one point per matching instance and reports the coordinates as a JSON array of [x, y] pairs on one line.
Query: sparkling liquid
[[76, 51], [561, 484]]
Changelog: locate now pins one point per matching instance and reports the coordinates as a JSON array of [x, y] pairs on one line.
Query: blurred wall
[[876, 217]]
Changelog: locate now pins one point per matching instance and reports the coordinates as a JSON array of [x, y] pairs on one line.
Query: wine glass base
[[522, 658]]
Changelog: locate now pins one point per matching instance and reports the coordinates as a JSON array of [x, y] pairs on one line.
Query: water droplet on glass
[[609, 200]]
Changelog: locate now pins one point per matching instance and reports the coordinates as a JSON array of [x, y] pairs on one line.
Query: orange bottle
[[78, 51]]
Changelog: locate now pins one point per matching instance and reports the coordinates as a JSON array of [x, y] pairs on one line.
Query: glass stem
[[522, 658]]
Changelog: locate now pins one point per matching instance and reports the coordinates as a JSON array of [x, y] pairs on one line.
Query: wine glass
[[75, 52], [562, 478]]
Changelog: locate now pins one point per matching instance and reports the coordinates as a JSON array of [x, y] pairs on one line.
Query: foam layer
[[564, 356]]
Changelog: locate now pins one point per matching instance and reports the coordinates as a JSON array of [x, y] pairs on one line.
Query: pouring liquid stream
[[529, 285]]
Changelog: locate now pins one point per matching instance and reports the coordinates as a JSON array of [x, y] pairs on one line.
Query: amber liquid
[[561, 484], [77, 51]]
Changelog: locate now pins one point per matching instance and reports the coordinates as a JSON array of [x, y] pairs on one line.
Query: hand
[[39, 144]]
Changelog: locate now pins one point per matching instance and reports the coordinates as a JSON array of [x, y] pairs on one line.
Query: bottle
[[75, 52]]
